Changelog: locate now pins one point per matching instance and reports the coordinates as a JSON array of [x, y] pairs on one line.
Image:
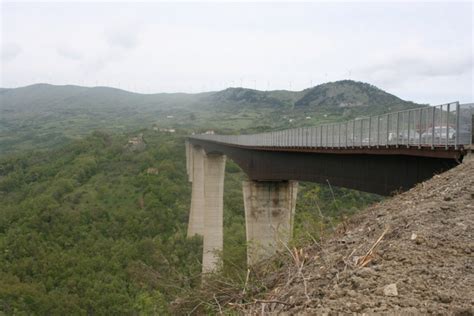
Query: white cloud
[[10, 51], [399, 69], [407, 49], [68, 52], [122, 38]]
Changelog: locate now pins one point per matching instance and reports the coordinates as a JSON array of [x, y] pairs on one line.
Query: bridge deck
[[423, 151], [422, 131]]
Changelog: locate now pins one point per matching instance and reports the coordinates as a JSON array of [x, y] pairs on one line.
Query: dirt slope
[[423, 263]]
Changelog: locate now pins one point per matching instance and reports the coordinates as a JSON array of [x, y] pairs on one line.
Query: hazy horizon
[[420, 52]]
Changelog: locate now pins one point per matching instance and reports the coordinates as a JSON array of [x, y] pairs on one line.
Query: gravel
[[423, 262]]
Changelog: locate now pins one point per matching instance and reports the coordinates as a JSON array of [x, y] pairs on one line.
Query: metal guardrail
[[446, 125]]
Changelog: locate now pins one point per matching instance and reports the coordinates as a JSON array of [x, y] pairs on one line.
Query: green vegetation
[[85, 229], [44, 116], [92, 225], [88, 228]]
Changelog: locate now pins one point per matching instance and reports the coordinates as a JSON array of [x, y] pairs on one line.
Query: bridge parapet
[[447, 125]]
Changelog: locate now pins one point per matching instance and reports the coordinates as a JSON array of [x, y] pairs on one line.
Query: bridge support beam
[[269, 212], [206, 171]]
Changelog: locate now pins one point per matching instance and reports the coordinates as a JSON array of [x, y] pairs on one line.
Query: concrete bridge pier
[[269, 213], [195, 165], [206, 172], [213, 242]]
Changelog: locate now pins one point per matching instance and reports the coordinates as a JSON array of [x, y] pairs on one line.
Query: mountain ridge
[[339, 93], [44, 115]]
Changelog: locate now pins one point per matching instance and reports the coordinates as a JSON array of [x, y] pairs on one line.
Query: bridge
[[381, 154]]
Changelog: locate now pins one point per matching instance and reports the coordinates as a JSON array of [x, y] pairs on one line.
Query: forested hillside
[[99, 226], [91, 223], [85, 229], [44, 116]]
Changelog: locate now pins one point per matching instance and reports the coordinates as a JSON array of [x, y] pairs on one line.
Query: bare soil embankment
[[413, 253]]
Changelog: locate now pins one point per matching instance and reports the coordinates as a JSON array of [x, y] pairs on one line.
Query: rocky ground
[[413, 253]]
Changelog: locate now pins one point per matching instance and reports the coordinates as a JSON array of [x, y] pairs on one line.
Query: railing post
[[291, 142], [304, 135], [347, 134], [361, 127], [288, 138], [370, 130], [456, 140], [433, 128], [321, 136], [408, 133], [315, 136], [339, 136], [301, 137], [378, 131], [353, 133], [310, 137], [295, 138], [327, 135], [298, 137], [447, 126], [331, 133], [398, 129], [419, 128], [388, 130]]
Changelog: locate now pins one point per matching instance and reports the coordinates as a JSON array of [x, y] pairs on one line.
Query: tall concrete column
[[195, 164], [214, 170], [206, 172], [269, 212]]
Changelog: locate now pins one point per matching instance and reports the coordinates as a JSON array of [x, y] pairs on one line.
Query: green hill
[[42, 116], [97, 227], [89, 225], [45, 97], [351, 94], [253, 98]]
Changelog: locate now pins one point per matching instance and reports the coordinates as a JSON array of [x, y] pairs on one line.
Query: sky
[[419, 51]]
